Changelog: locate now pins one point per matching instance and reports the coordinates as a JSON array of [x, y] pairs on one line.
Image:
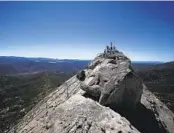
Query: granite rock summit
[[111, 78], [106, 97]]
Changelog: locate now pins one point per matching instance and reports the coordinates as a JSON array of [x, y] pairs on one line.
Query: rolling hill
[[18, 94]]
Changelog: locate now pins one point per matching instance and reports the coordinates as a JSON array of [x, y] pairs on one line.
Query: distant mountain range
[[147, 62], [21, 65], [11, 65]]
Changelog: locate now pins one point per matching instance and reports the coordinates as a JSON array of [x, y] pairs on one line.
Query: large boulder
[[112, 80]]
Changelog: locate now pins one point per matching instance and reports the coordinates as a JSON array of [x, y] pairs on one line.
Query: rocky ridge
[[76, 108]]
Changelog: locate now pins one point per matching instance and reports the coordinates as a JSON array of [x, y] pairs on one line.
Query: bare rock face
[[113, 80], [162, 115], [107, 97], [81, 115]]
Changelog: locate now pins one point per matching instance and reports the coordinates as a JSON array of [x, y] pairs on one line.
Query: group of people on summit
[[110, 49]]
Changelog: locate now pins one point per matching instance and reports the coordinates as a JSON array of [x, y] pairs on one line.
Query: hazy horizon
[[77, 59], [143, 31]]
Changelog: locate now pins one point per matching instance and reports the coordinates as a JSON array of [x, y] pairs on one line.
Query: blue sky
[[144, 31]]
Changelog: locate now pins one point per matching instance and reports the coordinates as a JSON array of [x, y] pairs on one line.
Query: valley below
[[20, 93]]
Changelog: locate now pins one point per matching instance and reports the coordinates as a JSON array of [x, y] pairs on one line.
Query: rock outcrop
[[113, 80], [81, 115], [102, 101]]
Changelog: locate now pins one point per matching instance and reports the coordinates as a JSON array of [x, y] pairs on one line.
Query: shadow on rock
[[87, 95], [141, 118]]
